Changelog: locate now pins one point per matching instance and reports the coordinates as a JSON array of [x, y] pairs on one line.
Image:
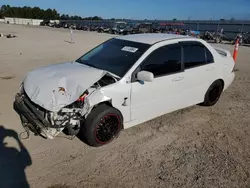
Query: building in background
[[22, 21], [25, 21]]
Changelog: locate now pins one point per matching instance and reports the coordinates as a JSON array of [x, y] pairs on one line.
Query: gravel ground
[[194, 147]]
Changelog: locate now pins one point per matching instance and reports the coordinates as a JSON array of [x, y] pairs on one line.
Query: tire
[[92, 131], [213, 93]]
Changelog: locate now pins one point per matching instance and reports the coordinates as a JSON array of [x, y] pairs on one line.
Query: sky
[[145, 9]]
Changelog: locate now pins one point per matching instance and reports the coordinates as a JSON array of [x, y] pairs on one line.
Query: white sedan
[[121, 83]]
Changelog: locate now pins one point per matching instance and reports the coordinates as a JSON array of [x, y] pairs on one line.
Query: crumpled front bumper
[[30, 116]]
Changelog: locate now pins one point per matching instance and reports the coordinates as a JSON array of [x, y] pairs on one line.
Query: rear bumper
[[30, 116], [229, 80]]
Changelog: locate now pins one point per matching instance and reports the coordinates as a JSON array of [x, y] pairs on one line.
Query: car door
[[199, 71], [164, 93]]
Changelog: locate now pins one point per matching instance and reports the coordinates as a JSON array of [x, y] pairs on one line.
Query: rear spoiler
[[222, 51]]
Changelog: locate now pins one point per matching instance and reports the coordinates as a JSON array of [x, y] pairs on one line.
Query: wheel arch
[[219, 79], [109, 103], [222, 81], [207, 101]]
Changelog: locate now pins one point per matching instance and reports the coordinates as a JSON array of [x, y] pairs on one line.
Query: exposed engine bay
[[70, 117]]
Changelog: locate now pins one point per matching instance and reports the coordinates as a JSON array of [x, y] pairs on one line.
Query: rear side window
[[196, 54], [209, 56], [163, 61]]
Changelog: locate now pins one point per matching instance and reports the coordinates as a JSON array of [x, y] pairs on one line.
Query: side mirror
[[145, 76]]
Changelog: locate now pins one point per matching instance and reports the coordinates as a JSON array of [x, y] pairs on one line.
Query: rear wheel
[[213, 93], [102, 125]]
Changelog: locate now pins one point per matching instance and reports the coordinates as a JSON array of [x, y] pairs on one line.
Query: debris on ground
[[6, 77], [10, 36], [60, 186]]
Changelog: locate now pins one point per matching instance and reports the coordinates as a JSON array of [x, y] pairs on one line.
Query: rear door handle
[[210, 68], [178, 79]]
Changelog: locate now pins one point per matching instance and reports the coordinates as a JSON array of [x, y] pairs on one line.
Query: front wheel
[[101, 126], [213, 93]]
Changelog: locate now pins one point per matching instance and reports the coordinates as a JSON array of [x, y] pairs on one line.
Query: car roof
[[151, 38]]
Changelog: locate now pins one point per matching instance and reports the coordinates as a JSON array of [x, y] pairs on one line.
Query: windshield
[[115, 56]]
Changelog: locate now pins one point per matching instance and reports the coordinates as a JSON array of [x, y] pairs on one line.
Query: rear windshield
[[115, 55]]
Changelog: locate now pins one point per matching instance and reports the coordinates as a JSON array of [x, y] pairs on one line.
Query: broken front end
[[49, 124]]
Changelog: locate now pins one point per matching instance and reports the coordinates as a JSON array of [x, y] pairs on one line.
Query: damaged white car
[[123, 82]]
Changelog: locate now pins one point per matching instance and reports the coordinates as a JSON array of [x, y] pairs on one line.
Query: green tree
[[96, 18], [37, 13], [28, 12]]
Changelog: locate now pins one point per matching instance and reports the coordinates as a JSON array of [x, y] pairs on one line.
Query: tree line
[[38, 13]]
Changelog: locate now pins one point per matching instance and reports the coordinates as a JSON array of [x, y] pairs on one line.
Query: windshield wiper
[[114, 75], [90, 65]]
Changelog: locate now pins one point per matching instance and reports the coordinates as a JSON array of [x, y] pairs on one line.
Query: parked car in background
[[158, 28], [72, 26], [131, 28], [208, 36], [146, 27], [118, 27], [45, 23], [64, 24], [93, 28], [121, 83], [193, 33], [128, 30], [244, 38], [104, 28], [79, 27], [218, 37]]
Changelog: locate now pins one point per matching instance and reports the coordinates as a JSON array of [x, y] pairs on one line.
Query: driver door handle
[[178, 79]]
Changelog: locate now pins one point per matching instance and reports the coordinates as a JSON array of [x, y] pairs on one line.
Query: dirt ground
[[194, 147]]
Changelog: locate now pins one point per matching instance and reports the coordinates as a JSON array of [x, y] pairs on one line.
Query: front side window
[[163, 61], [115, 56]]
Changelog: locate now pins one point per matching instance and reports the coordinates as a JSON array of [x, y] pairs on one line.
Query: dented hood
[[56, 86]]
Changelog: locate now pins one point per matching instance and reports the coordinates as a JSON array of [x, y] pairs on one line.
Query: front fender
[[95, 98]]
